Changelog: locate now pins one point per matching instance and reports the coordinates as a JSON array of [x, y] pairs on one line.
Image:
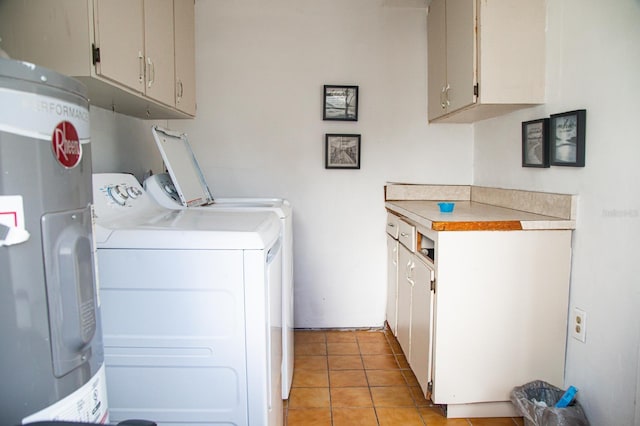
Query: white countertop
[[471, 215]]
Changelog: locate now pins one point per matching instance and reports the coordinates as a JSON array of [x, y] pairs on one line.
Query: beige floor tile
[[504, 421], [392, 396], [380, 362], [365, 336], [338, 336], [310, 379], [309, 398], [351, 397], [385, 378], [399, 417], [402, 361], [347, 378], [310, 362], [375, 348], [395, 346], [418, 397], [340, 348], [410, 378], [309, 417], [306, 336], [354, 417], [433, 416], [345, 362], [310, 348]]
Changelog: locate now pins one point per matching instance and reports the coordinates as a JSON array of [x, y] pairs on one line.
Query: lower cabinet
[[421, 327], [405, 289], [414, 314], [392, 283], [479, 312]]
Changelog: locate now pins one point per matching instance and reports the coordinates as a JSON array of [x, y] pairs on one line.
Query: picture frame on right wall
[[567, 138]]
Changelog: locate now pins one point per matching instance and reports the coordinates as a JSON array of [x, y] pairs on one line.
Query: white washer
[[185, 187], [191, 308]]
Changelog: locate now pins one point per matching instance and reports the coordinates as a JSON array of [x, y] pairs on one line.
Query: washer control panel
[[116, 195]]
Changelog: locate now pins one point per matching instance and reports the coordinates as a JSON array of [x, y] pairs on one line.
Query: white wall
[[123, 144], [593, 62], [260, 69]]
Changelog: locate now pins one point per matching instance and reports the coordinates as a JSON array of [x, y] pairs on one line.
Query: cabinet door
[[422, 324], [159, 50], [392, 283], [119, 33], [184, 27], [405, 288], [461, 53], [437, 59]]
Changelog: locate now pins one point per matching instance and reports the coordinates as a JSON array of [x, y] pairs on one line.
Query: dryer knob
[[169, 189], [118, 193]]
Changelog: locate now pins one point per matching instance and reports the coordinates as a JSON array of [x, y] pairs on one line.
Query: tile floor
[[361, 377]]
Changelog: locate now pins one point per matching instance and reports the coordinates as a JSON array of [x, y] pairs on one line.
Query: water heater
[[51, 358]]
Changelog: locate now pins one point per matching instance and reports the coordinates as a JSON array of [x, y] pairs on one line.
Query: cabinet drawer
[[392, 225], [407, 235]]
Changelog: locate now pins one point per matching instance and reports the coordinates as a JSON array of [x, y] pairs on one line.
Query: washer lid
[[183, 167], [193, 229]]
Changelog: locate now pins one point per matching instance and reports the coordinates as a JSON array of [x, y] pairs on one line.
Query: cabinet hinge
[[430, 386], [476, 90], [95, 53], [433, 285]]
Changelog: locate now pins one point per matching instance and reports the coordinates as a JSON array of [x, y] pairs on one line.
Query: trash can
[[536, 402]]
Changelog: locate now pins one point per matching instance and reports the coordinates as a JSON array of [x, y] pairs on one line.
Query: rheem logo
[[66, 145]]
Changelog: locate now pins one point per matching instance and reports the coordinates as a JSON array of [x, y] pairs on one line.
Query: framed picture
[[342, 151], [535, 143], [340, 103], [567, 132]]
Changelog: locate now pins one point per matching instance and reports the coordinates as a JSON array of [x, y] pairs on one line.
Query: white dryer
[[185, 187], [191, 308]]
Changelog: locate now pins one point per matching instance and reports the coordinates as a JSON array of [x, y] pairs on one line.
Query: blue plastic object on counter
[[567, 397], [446, 207]]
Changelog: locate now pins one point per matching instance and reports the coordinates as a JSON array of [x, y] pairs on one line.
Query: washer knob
[[118, 193], [134, 192]]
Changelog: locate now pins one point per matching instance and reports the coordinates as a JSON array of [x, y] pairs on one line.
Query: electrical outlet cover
[[579, 324]]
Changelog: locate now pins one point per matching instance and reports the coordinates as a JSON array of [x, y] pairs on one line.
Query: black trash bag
[[538, 415]]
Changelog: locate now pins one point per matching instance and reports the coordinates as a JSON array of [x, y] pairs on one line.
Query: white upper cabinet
[[185, 84], [485, 58], [119, 36], [159, 50], [124, 51]]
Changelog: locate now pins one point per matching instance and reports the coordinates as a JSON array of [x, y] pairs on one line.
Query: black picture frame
[[342, 151], [535, 143], [567, 138], [340, 103]]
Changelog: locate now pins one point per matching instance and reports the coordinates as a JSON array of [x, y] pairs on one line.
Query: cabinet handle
[[180, 90], [391, 225], [410, 266], [141, 67], [152, 72], [446, 95], [404, 234]]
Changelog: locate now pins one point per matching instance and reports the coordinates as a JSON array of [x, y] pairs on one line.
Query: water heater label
[[66, 145], [87, 404], [35, 116]]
